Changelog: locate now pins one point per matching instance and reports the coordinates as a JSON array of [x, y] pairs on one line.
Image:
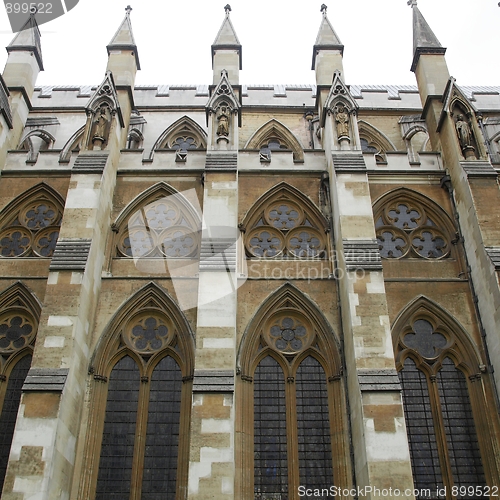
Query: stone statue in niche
[[465, 137], [223, 121], [342, 120], [100, 126], [463, 131]]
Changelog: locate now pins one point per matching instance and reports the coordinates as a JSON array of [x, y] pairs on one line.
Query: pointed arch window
[[273, 136], [443, 398], [292, 404], [160, 223], [19, 313], [183, 135], [30, 225], [407, 226], [142, 405], [284, 225]]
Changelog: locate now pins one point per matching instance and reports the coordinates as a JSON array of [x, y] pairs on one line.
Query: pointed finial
[[323, 9], [412, 3], [128, 10], [227, 8]]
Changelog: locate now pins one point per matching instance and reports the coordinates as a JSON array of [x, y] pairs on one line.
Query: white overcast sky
[[174, 39]]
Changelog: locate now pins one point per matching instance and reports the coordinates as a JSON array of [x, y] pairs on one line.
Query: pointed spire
[[226, 37], [327, 39], [424, 39], [124, 38], [28, 40]]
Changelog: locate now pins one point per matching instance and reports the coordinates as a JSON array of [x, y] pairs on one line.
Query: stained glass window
[[162, 436], [438, 413], [313, 422], [117, 451], [270, 437]]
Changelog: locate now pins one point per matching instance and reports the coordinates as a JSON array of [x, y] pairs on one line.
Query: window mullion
[[292, 437], [440, 431], [140, 439]]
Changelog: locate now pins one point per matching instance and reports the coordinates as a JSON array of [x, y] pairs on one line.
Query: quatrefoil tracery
[[160, 229], [17, 330], [424, 339], [33, 232], [148, 332], [405, 230], [284, 231]]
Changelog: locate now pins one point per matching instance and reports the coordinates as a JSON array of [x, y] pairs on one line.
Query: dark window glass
[[420, 428], [115, 466], [9, 411], [315, 457], [270, 443], [162, 438], [463, 448]]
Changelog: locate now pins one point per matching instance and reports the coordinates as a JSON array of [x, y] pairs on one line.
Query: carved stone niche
[[223, 123], [464, 128]]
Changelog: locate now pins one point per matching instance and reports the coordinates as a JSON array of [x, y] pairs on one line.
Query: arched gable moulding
[[142, 370], [183, 135], [287, 348], [448, 400], [283, 137]]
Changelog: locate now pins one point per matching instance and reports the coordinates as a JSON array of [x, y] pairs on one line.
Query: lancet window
[[292, 402], [406, 227], [443, 398], [142, 399], [283, 226], [30, 225]]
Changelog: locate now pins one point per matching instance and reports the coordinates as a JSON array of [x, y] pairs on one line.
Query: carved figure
[[464, 132], [223, 119], [101, 121], [342, 119]]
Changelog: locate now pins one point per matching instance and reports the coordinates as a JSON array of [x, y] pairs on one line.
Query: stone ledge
[[90, 163], [362, 254], [70, 254], [494, 255], [222, 161], [45, 380], [213, 381], [479, 169], [218, 255], [378, 380], [349, 163]]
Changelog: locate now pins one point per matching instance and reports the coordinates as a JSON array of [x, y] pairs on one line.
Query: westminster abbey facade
[[243, 292]]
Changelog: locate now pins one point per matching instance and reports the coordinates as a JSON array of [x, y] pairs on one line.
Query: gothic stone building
[[216, 292]]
